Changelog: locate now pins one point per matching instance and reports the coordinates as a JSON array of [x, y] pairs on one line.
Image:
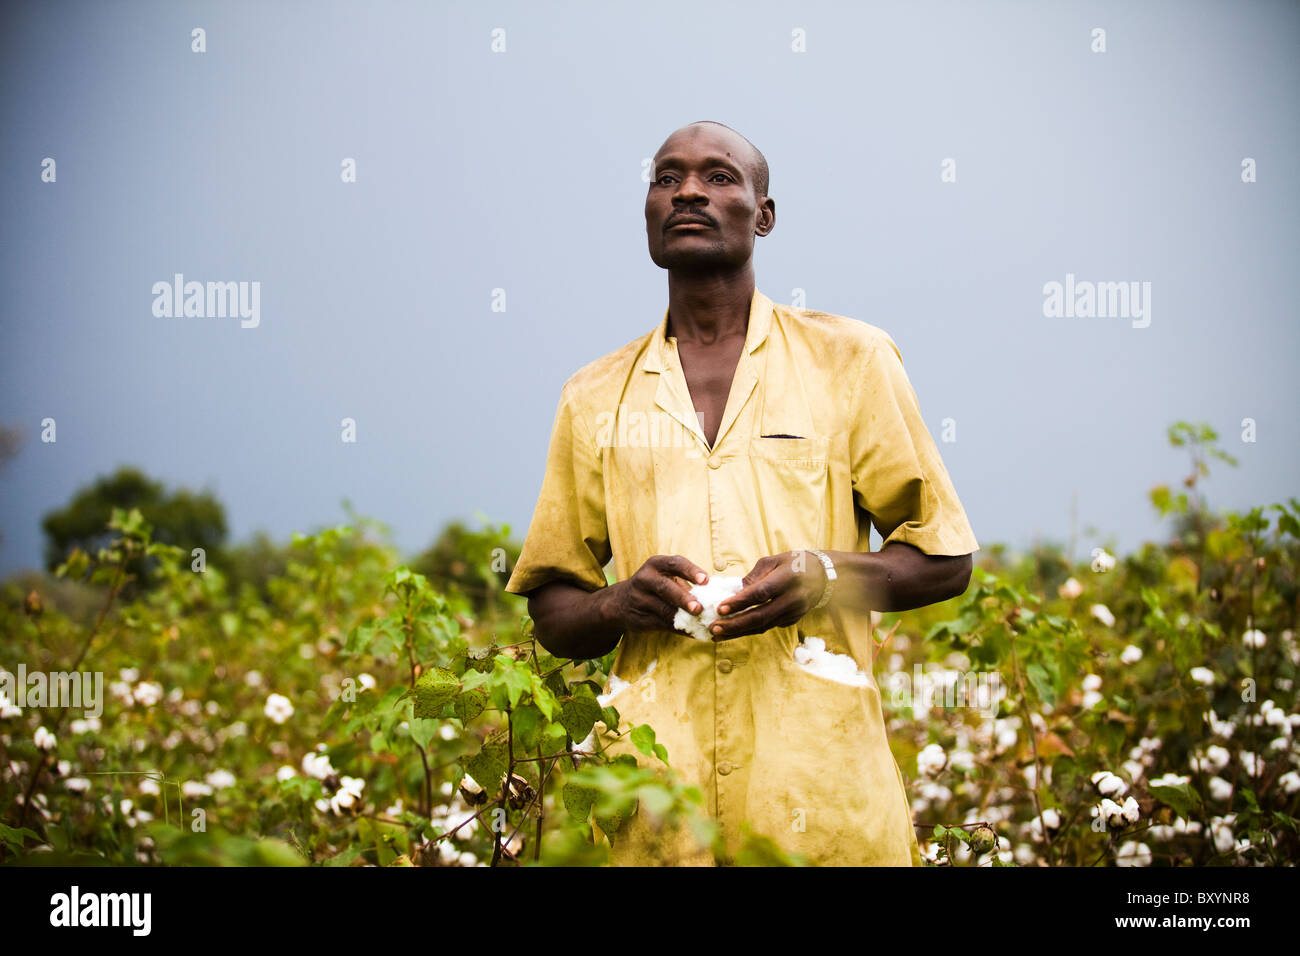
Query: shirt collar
[[760, 321]]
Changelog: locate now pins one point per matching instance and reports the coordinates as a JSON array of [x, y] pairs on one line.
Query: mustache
[[689, 216]]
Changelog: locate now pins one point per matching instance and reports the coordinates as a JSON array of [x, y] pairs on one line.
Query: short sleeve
[[898, 477], [568, 538]]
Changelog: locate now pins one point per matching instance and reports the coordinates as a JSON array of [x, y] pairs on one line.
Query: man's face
[[701, 214]]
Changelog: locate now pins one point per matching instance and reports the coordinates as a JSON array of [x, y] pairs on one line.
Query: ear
[[765, 222]]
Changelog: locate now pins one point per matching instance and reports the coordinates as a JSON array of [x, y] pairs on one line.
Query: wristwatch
[[830, 577]]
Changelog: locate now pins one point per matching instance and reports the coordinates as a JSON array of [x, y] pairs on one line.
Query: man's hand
[[778, 592], [649, 599]]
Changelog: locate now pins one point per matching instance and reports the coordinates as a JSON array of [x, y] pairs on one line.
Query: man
[[772, 430]]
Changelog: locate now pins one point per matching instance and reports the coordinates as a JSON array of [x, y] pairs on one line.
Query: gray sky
[[521, 170]]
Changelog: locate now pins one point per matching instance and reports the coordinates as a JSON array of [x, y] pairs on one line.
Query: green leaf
[[1180, 796], [423, 730], [13, 838], [543, 698], [514, 677], [613, 821], [656, 798], [643, 739], [470, 704], [526, 722], [580, 712], [345, 858], [434, 688], [1042, 682], [936, 631], [488, 766], [578, 800]]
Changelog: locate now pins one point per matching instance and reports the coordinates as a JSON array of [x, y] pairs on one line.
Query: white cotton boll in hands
[[710, 594]]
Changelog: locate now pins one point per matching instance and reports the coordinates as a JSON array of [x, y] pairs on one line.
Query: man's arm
[[782, 588], [898, 577], [572, 623]]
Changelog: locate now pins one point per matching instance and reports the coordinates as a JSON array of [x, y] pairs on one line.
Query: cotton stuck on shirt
[[821, 437]]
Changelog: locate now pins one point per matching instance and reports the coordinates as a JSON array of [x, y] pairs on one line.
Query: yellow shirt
[[629, 474]]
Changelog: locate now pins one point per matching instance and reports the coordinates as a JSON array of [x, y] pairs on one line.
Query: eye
[[724, 176], [664, 176]]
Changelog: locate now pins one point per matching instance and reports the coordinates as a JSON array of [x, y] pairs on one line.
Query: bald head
[[757, 162]]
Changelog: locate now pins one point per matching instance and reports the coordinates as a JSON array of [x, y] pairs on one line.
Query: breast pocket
[[791, 477]]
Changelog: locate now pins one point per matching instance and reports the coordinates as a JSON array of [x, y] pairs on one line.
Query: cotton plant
[[1222, 791]]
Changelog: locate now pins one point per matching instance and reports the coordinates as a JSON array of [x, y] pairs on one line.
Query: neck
[[705, 308]]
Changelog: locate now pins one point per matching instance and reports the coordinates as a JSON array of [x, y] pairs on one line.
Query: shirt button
[[724, 666], [719, 565], [725, 768], [715, 461]]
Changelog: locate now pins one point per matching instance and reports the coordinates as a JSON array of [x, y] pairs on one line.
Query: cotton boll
[[1049, 821], [1111, 812], [930, 760], [617, 685], [962, 760], [1133, 854], [934, 792], [1132, 812], [317, 765], [710, 595], [220, 779], [1102, 613], [1221, 728], [1221, 833], [1006, 735], [813, 657], [982, 839], [1133, 768], [1070, 590], [1107, 784], [1217, 756], [1102, 560]]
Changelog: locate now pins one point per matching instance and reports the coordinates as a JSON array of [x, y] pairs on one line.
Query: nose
[[690, 192]]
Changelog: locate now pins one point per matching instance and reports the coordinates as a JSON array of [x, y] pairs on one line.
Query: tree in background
[[477, 564], [182, 518], [256, 563]]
